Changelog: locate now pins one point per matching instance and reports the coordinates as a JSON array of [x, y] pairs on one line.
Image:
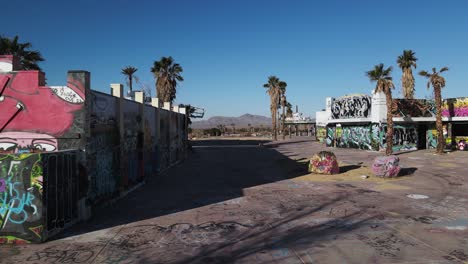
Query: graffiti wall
[[413, 108], [359, 137], [150, 140], [38, 195], [455, 107], [321, 134], [453, 134], [330, 140], [38, 118], [372, 137], [132, 142], [431, 138], [356, 106], [103, 153], [164, 139], [66, 148], [21, 190], [405, 137]]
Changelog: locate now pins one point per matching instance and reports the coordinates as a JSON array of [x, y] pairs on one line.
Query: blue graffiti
[[15, 203]]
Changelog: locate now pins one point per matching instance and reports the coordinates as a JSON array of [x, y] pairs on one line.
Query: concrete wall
[[117, 143], [35, 117], [39, 195], [348, 118], [455, 107]]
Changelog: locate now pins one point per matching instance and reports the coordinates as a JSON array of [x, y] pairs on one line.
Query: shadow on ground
[[210, 175], [407, 172], [283, 239]]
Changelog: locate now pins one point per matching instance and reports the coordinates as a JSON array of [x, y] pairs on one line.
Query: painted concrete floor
[[257, 204]]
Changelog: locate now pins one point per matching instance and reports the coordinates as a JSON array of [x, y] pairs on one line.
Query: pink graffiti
[[34, 115]]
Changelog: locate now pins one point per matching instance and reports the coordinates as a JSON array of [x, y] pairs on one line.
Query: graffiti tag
[[62, 256]]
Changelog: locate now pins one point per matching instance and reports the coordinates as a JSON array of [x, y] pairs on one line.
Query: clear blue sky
[[229, 48]]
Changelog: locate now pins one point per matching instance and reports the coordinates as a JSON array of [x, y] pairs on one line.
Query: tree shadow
[[407, 172], [280, 236], [347, 168], [209, 175]]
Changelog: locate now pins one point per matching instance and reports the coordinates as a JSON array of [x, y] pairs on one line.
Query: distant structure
[[360, 121], [299, 119]]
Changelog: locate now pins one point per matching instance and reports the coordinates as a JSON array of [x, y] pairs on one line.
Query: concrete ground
[[239, 202]]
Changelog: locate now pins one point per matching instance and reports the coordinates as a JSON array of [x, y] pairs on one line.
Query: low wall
[[372, 137], [40, 195], [115, 143], [129, 142]]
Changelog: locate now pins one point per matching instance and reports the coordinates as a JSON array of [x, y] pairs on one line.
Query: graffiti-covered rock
[[324, 162], [386, 166]]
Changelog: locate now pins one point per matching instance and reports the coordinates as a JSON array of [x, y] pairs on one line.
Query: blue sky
[[229, 48]]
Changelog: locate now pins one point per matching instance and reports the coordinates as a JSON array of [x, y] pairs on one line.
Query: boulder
[[386, 166], [324, 162]]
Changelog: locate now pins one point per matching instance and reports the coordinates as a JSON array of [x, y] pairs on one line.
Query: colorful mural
[[35, 117], [321, 134], [103, 147], [405, 137], [354, 137], [353, 106], [330, 140], [324, 162], [413, 108], [124, 142], [455, 107], [21, 190]]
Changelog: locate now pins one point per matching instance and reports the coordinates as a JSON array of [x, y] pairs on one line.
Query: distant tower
[[297, 109]]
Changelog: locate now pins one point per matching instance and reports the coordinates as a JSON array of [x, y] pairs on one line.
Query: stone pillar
[[155, 102], [378, 108], [82, 81], [9, 63], [139, 98], [117, 91]]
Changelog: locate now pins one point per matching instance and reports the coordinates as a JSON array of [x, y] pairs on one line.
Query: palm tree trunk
[[408, 83], [130, 82], [388, 96], [440, 131], [273, 120], [282, 127]]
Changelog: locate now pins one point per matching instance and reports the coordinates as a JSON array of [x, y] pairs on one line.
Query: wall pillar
[[139, 98], [117, 91]]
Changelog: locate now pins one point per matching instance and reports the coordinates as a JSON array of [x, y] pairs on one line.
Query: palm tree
[[167, 74], [233, 128], [283, 105], [27, 58], [289, 111], [437, 82], [129, 71], [382, 77], [274, 91], [406, 61]]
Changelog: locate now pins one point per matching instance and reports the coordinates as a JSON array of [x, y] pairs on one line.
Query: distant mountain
[[239, 122]]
